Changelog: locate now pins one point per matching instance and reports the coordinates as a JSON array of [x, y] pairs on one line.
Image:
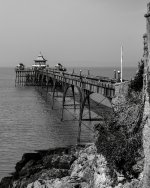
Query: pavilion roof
[[40, 58]]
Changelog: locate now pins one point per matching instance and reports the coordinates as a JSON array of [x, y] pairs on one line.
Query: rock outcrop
[[62, 167], [78, 167]]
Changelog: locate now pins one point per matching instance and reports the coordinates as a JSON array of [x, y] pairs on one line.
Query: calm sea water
[[27, 122]]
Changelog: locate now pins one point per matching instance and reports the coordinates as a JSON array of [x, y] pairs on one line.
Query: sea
[[28, 123]]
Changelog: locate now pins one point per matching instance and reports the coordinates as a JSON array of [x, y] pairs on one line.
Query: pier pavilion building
[[40, 62]]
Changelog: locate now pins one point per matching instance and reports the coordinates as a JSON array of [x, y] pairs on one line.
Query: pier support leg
[[16, 78], [63, 101], [74, 102], [53, 96], [62, 114], [80, 121], [89, 106], [46, 90]]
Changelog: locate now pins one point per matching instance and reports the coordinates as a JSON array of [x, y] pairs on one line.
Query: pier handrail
[[101, 78], [102, 85], [106, 83]]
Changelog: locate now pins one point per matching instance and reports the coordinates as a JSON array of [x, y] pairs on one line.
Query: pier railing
[[102, 85]]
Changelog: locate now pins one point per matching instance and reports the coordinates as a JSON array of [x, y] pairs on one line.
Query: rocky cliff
[[78, 167]]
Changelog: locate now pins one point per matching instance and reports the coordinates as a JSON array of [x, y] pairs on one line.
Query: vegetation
[[137, 84], [148, 89], [120, 137]]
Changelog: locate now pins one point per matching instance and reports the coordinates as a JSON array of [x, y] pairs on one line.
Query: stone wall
[[121, 88]]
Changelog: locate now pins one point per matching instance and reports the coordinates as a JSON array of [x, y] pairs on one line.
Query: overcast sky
[[72, 32]]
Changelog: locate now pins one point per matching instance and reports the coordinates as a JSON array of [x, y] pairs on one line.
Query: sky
[[73, 32]]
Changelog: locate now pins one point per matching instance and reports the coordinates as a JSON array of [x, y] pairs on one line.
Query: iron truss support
[[66, 85]]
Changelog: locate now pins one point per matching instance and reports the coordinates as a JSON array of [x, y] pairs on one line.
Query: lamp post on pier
[[121, 62]]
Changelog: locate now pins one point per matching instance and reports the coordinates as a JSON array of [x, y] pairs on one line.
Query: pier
[[76, 86]]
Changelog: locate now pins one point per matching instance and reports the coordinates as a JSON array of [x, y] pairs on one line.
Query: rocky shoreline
[[74, 166]]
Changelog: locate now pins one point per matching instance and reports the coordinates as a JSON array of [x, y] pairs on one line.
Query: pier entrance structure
[[79, 87]]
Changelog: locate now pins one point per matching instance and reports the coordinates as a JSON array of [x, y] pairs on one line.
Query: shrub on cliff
[[137, 83], [148, 90], [120, 137]]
